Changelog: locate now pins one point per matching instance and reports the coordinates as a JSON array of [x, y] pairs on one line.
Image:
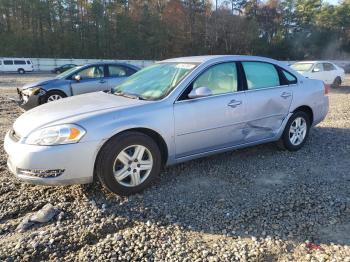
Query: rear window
[[8, 62], [20, 62], [328, 67], [291, 79]]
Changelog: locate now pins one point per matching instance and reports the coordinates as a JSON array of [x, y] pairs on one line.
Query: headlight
[[56, 135], [33, 91]]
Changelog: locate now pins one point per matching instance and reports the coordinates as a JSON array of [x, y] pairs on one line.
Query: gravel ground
[[255, 204]]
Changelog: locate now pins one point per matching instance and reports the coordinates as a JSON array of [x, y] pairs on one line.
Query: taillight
[[326, 89]]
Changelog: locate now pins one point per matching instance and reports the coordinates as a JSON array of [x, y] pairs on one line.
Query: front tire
[[53, 96], [21, 71], [128, 163], [296, 131]]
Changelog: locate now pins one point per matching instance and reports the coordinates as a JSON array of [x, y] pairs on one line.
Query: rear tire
[[337, 82], [126, 172], [21, 71], [296, 131]]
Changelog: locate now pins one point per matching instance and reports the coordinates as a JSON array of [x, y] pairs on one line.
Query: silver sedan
[[170, 112]]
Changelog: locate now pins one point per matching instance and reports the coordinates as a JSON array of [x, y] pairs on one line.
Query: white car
[[19, 65], [328, 72]]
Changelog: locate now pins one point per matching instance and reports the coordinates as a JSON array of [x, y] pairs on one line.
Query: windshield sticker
[[185, 66]]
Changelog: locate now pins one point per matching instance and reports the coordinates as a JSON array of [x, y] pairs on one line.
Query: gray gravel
[[255, 204]]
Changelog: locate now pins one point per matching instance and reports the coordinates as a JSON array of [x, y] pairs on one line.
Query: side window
[[328, 67], [289, 77], [8, 62], [92, 72], [28, 62], [20, 62], [117, 71], [260, 75], [131, 71], [220, 79], [318, 68]]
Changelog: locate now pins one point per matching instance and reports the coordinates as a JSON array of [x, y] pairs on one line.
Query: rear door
[[117, 74], [92, 80], [330, 72], [269, 96]]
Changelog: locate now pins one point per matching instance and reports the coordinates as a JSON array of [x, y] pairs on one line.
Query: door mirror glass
[[200, 92], [77, 78], [316, 70]]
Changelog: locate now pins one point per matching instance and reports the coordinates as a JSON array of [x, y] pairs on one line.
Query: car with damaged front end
[[173, 111], [78, 80]]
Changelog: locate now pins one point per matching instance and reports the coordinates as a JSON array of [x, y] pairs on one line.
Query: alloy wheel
[[53, 98], [133, 165], [297, 131]]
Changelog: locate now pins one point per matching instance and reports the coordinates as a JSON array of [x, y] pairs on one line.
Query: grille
[[42, 173], [14, 136]]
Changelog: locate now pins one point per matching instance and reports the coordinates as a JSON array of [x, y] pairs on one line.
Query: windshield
[[302, 66], [156, 81], [68, 72]]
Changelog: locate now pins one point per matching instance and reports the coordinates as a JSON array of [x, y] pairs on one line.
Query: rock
[[44, 215]]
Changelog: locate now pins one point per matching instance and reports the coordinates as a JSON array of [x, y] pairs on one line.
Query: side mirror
[[200, 92], [316, 70], [77, 78]]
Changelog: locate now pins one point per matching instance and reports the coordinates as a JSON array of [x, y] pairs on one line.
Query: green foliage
[[157, 29]]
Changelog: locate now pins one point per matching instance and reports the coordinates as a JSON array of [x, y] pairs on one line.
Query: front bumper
[[29, 102], [76, 161]]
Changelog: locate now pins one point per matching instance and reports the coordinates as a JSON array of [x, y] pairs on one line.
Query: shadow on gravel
[[253, 192], [341, 89]]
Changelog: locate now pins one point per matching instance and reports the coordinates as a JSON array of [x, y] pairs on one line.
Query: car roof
[[113, 63], [14, 58], [207, 58]]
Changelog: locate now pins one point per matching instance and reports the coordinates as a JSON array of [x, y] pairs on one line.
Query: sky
[[332, 1]]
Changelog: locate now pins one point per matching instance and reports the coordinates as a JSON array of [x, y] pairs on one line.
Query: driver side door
[[92, 80]]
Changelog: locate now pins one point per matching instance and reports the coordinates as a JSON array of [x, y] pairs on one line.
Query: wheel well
[[149, 132], [157, 138], [58, 91], [307, 110]]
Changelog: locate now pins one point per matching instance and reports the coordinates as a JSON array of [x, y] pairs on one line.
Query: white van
[[20, 65]]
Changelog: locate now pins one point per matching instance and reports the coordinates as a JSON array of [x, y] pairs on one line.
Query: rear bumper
[[75, 162], [321, 110]]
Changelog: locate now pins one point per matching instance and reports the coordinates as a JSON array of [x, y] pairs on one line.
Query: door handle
[[234, 103], [285, 95]]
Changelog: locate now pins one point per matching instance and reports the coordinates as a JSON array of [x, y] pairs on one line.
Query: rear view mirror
[[77, 78], [200, 92]]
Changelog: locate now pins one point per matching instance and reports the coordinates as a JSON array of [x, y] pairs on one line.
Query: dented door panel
[[202, 125], [266, 110]]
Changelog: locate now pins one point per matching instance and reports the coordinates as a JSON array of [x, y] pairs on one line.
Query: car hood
[[41, 82], [67, 108]]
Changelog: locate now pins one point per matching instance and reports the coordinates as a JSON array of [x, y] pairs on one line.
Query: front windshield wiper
[[132, 96]]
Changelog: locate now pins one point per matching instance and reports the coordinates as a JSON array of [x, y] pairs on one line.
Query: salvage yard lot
[[255, 204]]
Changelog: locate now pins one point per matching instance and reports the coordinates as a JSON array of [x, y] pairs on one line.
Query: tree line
[[158, 29]]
